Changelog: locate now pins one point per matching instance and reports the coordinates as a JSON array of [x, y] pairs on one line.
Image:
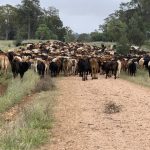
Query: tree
[[28, 12], [84, 37], [123, 46], [69, 36], [7, 23], [116, 28], [97, 36], [135, 32]]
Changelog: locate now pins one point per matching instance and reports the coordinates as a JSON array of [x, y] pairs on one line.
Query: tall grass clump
[[17, 89], [6, 44], [141, 78], [33, 127], [45, 84]]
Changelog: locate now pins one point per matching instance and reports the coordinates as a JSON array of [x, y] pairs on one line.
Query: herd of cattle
[[55, 57]]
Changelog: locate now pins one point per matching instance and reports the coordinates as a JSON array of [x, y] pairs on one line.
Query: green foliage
[[123, 46], [43, 32], [132, 19], [70, 36], [135, 34], [84, 37], [97, 36], [116, 28], [23, 20]]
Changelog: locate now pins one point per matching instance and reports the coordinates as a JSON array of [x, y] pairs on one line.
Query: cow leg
[[21, 75], [115, 74]]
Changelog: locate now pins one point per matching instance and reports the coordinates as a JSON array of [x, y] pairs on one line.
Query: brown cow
[[4, 63], [94, 68]]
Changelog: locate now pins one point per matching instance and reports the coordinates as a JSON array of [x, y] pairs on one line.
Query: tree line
[[128, 25], [29, 21]]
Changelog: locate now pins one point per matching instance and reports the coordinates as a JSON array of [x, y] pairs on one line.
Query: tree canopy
[[27, 20]]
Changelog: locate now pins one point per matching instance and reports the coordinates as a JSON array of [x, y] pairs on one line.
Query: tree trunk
[[29, 28]]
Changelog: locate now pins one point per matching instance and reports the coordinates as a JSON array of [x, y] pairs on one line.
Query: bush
[[111, 108], [45, 84]]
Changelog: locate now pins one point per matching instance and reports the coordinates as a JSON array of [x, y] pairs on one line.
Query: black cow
[[84, 68], [41, 68], [132, 68], [19, 68], [110, 67], [54, 69]]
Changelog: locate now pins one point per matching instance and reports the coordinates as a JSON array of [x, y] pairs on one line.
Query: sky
[[82, 16]]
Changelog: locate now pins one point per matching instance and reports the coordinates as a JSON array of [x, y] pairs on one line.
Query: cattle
[[111, 67], [41, 68], [83, 68], [67, 66], [54, 69], [74, 66], [124, 64], [132, 67], [94, 68], [141, 63], [4, 63], [149, 68], [119, 68], [17, 65]]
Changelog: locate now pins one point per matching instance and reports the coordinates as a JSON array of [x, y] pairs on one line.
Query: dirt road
[[81, 123]]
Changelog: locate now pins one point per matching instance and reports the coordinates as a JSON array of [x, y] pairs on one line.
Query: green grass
[[32, 129], [142, 78], [32, 126], [17, 89], [146, 45], [6, 45], [99, 43]]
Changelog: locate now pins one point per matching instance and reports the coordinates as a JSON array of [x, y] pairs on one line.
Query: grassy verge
[[142, 78], [17, 89], [33, 125], [6, 45]]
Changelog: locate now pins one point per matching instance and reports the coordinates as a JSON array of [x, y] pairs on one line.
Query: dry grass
[[141, 78], [45, 84], [17, 89], [33, 124], [112, 108]]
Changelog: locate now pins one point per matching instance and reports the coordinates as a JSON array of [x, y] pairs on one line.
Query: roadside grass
[[146, 45], [101, 42], [32, 129], [6, 45], [32, 126], [17, 89], [141, 78]]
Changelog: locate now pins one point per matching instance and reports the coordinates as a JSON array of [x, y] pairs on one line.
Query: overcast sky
[[83, 16]]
